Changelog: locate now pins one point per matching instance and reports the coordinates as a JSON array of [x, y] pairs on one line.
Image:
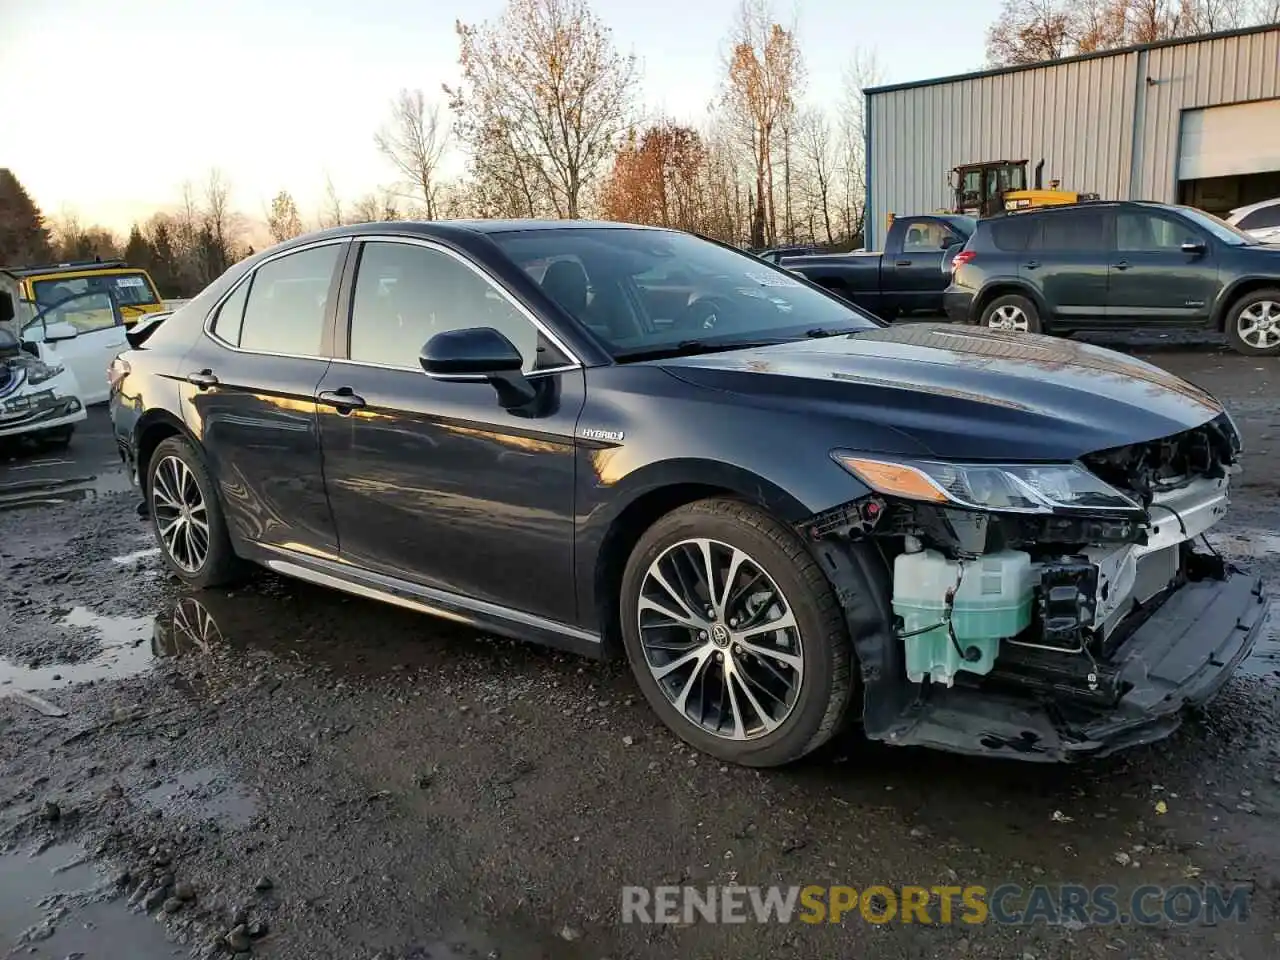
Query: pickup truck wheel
[[735, 635], [1012, 312], [1253, 323]]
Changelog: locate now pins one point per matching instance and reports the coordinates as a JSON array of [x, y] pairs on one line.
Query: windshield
[[643, 290], [1219, 228], [129, 289]]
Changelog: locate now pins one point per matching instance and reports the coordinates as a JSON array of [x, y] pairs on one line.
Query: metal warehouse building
[[1183, 121]]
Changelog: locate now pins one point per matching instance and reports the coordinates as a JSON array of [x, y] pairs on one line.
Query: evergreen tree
[[24, 238]]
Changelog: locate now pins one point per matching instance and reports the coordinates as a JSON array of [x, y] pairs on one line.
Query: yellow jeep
[[44, 286]]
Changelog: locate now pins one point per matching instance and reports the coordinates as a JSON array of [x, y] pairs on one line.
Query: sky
[[282, 93]]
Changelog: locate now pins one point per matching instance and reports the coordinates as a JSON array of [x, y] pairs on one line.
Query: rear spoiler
[[139, 333]]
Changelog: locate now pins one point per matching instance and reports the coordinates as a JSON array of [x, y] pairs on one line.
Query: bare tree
[[762, 75], [283, 220], [819, 158], [1028, 31], [331, 213], [414, 140], [863, 71], [217, 211], [544, 99]]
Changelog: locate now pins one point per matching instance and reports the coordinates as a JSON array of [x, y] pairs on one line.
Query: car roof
[[70, 266], [452, 229], [1083, 204], [1249, 208]]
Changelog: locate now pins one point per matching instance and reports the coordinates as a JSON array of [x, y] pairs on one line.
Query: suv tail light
[[961, 258]]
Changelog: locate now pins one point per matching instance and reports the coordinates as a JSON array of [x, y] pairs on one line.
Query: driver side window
[[406, 293]]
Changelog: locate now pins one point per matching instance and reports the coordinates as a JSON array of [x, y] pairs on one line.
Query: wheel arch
[[152, 429], [1236, 292], [1007, 285], [669, 487]]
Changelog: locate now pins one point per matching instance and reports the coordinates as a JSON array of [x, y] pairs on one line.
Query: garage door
[[1228, 141]]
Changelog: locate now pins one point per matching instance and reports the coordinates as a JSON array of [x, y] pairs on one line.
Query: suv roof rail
[[65, 266]]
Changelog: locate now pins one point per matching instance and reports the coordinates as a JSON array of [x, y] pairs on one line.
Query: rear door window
[[288, 303], [1071, 231]]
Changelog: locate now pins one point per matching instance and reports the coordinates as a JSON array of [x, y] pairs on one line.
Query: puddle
[[53, 905], [125, 653], [23, 493], [205, 794]]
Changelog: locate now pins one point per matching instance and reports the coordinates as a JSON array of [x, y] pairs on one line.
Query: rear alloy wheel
[[734, 634], [1011, 312], [1253, 325], [187, 516]]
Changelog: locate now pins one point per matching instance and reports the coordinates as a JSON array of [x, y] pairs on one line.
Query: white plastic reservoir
[[993, 602]]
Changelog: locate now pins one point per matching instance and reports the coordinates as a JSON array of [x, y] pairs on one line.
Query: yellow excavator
[[985, 189]]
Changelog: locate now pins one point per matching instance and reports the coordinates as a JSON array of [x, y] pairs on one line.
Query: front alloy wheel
[[734, 634], [1255, 326], [720, 639]]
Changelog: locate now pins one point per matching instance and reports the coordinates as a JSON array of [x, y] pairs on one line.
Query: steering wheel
[[703, 316]]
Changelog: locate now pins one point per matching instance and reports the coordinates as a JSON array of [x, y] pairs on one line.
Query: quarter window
[[288, 303], [405, 294], [230, 317]]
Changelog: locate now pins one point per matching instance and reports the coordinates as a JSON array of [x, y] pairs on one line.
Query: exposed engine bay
[[1016, 607]]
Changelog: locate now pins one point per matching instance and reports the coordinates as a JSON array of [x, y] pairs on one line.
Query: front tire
[[734, 634], [59, 438], [1011, 312], [187, 516], [1253, 323]]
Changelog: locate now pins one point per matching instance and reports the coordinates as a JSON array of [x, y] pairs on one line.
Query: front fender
[[1234, 291]]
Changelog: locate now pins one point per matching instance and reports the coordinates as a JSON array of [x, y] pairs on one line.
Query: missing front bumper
[[1180, 657]]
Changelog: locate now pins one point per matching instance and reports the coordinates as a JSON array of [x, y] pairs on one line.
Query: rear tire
[[1011, 312], [187, 517], [747, 692], [1253, 323]]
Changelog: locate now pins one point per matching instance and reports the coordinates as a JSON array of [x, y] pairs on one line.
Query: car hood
[[960, 393]]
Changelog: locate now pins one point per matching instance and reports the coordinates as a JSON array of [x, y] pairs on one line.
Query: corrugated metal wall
[[1097, 123]]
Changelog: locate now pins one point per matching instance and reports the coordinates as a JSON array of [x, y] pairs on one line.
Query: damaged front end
[[1042, 611]]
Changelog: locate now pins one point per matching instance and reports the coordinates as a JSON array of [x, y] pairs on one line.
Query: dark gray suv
[[1103, 265]]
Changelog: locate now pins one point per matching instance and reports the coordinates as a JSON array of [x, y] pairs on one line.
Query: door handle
[[204, 379], [902, 263], [1122, 265], [344, 399], [1031, 264]]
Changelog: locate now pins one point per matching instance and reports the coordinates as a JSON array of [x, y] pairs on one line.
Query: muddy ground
[[285, 772]]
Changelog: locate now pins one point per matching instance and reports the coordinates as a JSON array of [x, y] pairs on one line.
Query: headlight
[[38, 371], [1007, 488]]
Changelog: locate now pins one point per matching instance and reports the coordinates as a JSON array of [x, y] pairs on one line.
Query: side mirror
[[475, 355], [54, 332], [1193, 248]]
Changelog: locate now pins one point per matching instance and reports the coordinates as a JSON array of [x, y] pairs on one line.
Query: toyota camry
[[791, 518]]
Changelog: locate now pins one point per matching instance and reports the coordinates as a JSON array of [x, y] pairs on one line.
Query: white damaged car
[[40, 395]]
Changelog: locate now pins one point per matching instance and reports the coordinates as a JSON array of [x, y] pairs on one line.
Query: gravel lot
[[281, 771]]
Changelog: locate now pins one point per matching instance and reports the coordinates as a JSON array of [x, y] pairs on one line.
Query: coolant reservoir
[[993, 602]]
